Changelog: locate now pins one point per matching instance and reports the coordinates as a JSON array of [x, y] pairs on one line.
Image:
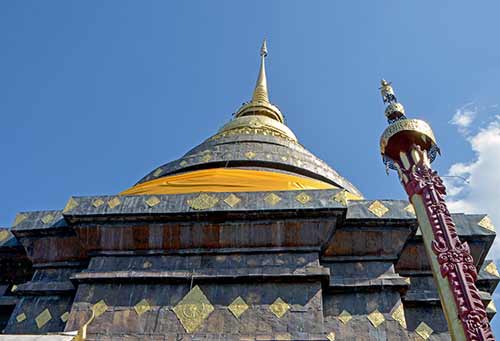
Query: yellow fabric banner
[[226, 180]]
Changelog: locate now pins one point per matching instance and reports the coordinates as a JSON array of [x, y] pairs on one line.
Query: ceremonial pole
[[409, 146]]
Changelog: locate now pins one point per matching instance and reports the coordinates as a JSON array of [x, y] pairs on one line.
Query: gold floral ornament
[[492, 269], [64, 317], [399, 315], [303, 198], [21, 317], [47, 219], [97, 202], [207, 157], [279, 307], [193, 309], [410, 209], [99, 308], [114, 202], [376, 318], [152, 201], [20, 217], [202, 202], [272, 199], [487, 223], [331, 336], [141, 307], [250, 155], [183, 163], [232, 200], [424, 330], [4, 234], [42, 318], [345, 317], [70, 205], [378, 208], [238, 307]]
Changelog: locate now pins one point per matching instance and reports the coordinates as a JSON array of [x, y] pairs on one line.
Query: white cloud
[[464, 116], [480, 192]]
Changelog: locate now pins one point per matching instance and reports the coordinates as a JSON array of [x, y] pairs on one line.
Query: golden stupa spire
[[260, 93], [260, 104]]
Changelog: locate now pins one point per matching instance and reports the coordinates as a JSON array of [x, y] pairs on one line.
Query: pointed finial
[[263, 49], [387, 92], [395, 110]]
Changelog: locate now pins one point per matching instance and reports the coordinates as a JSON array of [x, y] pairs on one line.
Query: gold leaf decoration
[[19, 219], [21, 317], [70, 205], [14, 288], [272, 199], [424, 330], [42, 318], [207, 157], [376, 318], [114, 202], [232, 200], [279, 307], [303, 198], [238, 306], [48, 218], [4, 234], [152, 201], [341, 198], [193, 309], [97, 202], [202, 202], [142, 307], [64, 317], [250, 155], [410, 209], [147, 264], [99, 308], [331, 336], [378, 208], [492, 269], [399, 315], [487, 223], [157, 172], [345, 317]]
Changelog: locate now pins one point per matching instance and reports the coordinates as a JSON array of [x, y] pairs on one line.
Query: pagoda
[[248, 236]]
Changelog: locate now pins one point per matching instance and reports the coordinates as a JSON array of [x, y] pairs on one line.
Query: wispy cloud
[[475, 185], [464, 117]]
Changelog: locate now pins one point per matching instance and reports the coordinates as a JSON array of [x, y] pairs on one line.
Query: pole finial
[[263, 49]]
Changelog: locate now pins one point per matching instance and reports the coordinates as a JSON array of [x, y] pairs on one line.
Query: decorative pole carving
[[409, 146]]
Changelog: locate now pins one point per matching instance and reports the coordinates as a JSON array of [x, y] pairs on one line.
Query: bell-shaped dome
[[255, 151]]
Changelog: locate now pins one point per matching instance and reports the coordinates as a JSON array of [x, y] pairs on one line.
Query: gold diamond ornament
[[345, 317], [238, 307], [376, 318], [492, 269], [279, 307], [142, 307], [303, 198], [207, 157], [378, 208], [157, 172], [272, 199], [14, 288], [152, 201], [97, 203], [42, 318], [99, 308], [4, 234], [487, 223], [114, 202], [21, 317], [232, 200], [399, 315], [183, 163], [250, 155], [48, 218], [70, 205], [343, 197], [424, 330], [64, 317], [19, 219], [202, 202], [331, 336], [193, 309], [410, 209], [491, 307]]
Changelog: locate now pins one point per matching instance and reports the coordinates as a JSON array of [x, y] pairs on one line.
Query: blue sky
[[93, 95]]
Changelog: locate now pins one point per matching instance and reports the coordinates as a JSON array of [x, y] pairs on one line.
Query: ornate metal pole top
[[263, 49], [403, 132]]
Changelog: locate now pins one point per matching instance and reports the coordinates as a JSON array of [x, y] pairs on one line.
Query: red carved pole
[[408, 145]]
